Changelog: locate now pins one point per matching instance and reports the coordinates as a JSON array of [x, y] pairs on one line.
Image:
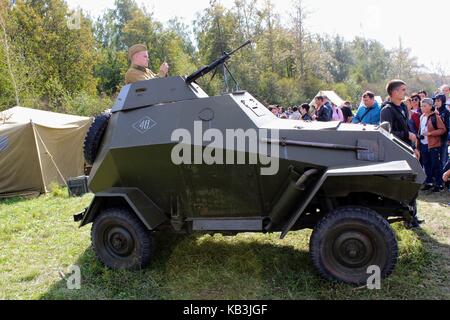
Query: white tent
[[379, 99], [331, 95]]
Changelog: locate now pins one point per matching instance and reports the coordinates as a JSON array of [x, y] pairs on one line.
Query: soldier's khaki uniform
[[138, 73]]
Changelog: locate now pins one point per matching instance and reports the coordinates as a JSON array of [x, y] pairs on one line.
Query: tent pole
[[39, 156]]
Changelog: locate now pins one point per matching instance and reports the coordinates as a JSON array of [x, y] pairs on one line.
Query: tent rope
[[51, 156]]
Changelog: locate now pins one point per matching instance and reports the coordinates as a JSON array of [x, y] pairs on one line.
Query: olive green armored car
[[169, 158]]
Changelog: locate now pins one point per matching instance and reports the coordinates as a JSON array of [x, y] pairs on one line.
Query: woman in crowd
[[408, 104], [416, 112], [431, 130], [337, 113]]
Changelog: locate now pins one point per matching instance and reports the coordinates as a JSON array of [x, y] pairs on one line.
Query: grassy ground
[[40, 241]]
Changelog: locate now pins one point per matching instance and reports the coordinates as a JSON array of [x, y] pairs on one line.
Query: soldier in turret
[[139, 70]]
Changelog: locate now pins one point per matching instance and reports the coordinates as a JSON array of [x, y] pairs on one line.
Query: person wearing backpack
[[369, 112], [439, 103], [431, 130]]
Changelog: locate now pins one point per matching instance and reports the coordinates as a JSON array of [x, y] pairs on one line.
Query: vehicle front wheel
[[346, 242], [120, 240]]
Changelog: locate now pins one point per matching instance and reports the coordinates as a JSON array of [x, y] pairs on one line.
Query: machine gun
[[212, 66]]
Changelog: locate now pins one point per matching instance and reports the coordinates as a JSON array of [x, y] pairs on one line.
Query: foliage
[[44, 64]]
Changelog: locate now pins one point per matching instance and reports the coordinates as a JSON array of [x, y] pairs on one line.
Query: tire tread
[[143, 237], [359, 213]]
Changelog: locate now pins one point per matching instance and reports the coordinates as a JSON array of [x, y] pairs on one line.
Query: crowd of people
[[421, 121]]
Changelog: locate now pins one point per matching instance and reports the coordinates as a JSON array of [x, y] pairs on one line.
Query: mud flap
[[79, 216]]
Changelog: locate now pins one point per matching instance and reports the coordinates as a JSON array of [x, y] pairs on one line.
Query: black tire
[[94, 136], [120, 240], [349, 240]]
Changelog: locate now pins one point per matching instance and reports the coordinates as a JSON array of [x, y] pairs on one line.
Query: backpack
[[433, 118], [434, 121]]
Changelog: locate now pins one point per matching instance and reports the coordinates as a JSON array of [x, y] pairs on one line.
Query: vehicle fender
[[388, 168], [145, 209]]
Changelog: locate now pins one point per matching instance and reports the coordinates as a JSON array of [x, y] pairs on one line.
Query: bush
[[58, 191], [83, 104]]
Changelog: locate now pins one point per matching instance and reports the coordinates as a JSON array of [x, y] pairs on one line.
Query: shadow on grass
[[194, 267], [215, 267]]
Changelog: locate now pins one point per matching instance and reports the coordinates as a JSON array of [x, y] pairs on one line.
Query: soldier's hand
[[164, 69]]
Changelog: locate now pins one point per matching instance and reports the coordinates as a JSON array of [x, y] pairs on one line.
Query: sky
[[422, 26]]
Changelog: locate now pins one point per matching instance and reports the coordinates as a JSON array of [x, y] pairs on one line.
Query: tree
[[215, 33], [62, 59], [340, 57], [371, 61], [6, 53], [128, 24], [109, 29], [302, 38], [184, 33], [110, 69], [403, 66]]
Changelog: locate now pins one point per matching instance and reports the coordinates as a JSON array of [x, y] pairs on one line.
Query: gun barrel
[[206, 69], [243, 45]]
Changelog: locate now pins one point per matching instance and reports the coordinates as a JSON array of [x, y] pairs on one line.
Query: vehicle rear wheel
[[120, 240], [345, 243]]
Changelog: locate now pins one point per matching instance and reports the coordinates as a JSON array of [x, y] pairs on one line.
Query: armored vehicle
[[169, 158]]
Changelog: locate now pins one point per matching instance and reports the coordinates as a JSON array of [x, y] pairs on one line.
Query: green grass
[[40, 241]]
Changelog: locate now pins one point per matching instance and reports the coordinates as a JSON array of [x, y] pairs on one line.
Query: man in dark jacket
[[329, 106], [324, 112], [304, 111], [395, 112]]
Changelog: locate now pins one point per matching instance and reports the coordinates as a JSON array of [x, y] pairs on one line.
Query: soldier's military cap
[[135, 49]]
